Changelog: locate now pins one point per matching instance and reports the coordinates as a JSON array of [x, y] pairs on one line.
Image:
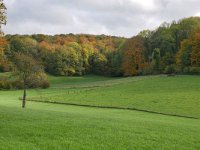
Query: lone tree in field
[[2, 16], [26, 66]]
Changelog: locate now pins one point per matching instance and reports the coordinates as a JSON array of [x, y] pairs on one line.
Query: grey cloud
[[114, 17]]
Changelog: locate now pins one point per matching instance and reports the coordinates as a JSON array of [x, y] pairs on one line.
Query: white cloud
[[198, 14], [115, 17], [146, 4]]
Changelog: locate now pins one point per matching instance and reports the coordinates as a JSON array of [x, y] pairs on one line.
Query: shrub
[[1, 84], [45, 84], [5, 84], [186, 70], [17, 84], [39, 80], [35, 81], [194, 70], [147, 70], [171, 69]]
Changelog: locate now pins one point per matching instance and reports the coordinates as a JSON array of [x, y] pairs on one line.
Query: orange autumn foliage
[[133, 58], [195, 55], [2, 45]]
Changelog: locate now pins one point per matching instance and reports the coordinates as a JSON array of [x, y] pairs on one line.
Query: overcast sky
[[110, 17]]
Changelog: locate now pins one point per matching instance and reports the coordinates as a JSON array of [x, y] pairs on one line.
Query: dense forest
[[68, 55], [170, 49]]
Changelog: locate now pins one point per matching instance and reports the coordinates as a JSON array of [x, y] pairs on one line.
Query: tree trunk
[[24, 96]]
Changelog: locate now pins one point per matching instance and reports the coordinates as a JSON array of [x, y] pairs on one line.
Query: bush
[[39, 80], [186, 70], [5, 84], [17, 84], [171, 69], [35, 81], [194, 70], [5, 66], [148, 70], [2, 84], [45, 85]]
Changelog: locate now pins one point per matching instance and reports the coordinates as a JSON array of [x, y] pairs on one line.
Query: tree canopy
[[171, 48]]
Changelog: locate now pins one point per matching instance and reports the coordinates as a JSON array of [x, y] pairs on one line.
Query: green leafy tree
[[156, 60], [195, 54], [99, 63], [184, 55], [86, 51], [23, 45]]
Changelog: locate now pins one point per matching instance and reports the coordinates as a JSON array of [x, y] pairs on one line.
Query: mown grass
[[171, 95], [77, 81], [48, 126]]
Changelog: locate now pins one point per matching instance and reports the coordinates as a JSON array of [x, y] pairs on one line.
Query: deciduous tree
[[2, 16], [25, 67]]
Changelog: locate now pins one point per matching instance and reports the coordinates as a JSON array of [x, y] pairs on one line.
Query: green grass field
[[58, 126], [171, 95]]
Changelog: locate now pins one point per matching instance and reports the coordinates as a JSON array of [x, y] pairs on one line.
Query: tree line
[[171, 48], [68, 55]]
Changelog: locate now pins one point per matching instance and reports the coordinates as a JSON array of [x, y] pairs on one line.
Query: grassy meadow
[[57, 126], [171, 95]]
